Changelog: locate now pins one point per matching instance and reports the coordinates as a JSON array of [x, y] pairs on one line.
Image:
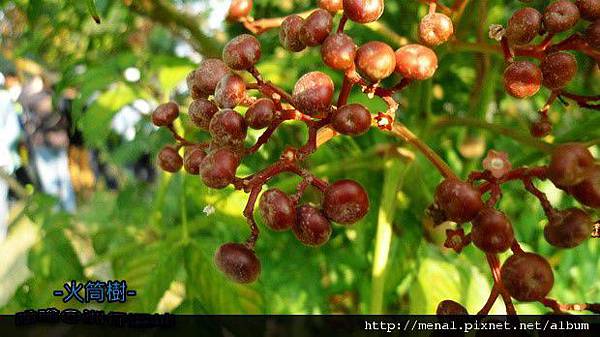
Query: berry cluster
[[524, 276], [557, 67], [222, 88]]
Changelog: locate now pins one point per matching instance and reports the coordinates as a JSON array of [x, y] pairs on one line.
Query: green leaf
[[91, 6], [95, 123]]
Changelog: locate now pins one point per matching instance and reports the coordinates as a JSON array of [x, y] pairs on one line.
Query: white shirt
[[10, 130]]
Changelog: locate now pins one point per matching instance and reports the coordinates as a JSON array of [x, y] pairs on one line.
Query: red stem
[[490, 301], [178, 138], [541, 196], [342, 24], [495, 267], [345, 91]]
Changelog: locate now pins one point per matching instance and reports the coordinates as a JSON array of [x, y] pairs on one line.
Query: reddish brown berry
[[228, 128], [277, 210], [313, 93], [558, 69], [165, 114], [524, 25], [375, 61], [459, 201], [338, 51], [238, 262], [541, 128], [492, 231], [169, 159], [242, 52], [332, 6], [289, 34], [416, 62], [311, 228], [203, 81], [316, 28], [560, 16], [522, 79], [218, 168], [363, 11], [449, 307], [260, 114], [435, 29], [589, 9], [587, 192], [239, 9], [352, 120], [192, 157], [201, 112], [570, 164], [592, 35], [568, 228], [527, 277], [345, 202], [231, 91]]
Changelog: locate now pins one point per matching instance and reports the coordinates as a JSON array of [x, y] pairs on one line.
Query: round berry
[[492, 231], [239, 9], [416, 62], [558, 69], [218, 168], [192, 157], [165, 114], [375, 61], [332, 6], [560, 16], [351, 119], [242, 52], [201, 111], [203, 81], [524, 25], [459, 201], [435, 29], [345, 202], [228, 128], [316, 28], [363, 11], [289, 34], [587, 192], [449, 307], [277, 210], [338, 51], [522, 79], [311, 227], [541, 128], [260, 114], [169, 159], [589, 9], [527, 277], [568, 228], [231, 91], [239, 263], [570, 164], [592, 35], [313, 93]]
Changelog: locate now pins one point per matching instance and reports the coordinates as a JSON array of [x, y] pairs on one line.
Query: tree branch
[[164, 13]]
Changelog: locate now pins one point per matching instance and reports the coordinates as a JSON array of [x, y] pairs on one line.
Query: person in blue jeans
[[49, 142]]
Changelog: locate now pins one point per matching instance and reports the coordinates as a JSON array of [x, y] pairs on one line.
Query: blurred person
[[81, 160], [10, 132], [46, 129]]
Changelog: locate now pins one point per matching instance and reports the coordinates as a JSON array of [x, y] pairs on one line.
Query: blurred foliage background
[[390, 262]]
